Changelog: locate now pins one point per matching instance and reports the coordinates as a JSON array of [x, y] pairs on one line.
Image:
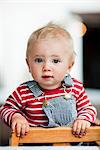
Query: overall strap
[[68, 81], [34, 87]]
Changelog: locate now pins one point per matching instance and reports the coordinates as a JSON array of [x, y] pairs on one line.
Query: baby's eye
[[38, 60], [56, 61]]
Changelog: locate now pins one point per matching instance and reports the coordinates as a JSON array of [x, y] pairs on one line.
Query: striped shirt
[[23, 101]]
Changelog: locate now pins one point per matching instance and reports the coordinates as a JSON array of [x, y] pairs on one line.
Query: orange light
[[83, 29]]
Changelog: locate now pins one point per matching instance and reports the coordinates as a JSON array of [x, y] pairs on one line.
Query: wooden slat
[[56, 135]]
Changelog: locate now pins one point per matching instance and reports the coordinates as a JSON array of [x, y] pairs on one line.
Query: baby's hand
[[80, 127], [19, 125]]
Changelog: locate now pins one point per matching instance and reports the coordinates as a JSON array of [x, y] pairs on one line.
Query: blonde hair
[[50, 31]]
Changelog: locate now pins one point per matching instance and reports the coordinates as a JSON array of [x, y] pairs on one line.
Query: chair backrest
[[57, 136]]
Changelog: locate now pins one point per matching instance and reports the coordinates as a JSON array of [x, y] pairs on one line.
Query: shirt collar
[[35, 88]]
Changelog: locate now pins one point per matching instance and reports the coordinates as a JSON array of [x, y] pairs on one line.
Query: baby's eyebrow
[[38, 56], [55, 55]]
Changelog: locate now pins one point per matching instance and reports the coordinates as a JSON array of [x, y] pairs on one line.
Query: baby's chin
[[50, 86]]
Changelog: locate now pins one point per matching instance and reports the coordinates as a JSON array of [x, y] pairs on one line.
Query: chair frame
[[58, 136]]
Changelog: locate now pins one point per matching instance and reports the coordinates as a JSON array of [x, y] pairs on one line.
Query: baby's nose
[[46, 67]]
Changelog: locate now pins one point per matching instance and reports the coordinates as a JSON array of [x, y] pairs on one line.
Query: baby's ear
[[71, 64], [70, 67], [28, 64]]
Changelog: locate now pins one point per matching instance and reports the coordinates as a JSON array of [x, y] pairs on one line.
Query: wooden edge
[[60, 134], [56, 135]]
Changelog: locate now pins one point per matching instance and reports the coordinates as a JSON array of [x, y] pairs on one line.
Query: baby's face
[[48, 62]]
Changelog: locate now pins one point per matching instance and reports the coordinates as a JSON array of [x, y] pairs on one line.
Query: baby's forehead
[[54, 42], [49, 34], [50, 46], [50, 39], [51, 42]]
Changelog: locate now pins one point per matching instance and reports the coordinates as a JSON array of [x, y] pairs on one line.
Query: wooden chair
[[58, 136]]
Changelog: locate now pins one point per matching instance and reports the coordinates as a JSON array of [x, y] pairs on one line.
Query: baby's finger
[[83, 129], [81, 134], [13, 126], [18, 129], [27, 129], [78, 128], [74, 127], [23, 130]]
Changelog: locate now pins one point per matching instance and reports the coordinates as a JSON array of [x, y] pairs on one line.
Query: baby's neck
[[45, 88]]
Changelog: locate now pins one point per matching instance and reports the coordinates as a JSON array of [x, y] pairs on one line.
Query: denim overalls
[[61, 111]]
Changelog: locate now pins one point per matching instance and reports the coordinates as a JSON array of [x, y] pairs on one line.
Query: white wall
[[17, 22]]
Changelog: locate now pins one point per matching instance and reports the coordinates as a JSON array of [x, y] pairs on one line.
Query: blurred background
[[18, 19]]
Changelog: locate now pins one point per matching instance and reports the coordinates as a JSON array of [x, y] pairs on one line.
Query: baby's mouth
[[47, 77]]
